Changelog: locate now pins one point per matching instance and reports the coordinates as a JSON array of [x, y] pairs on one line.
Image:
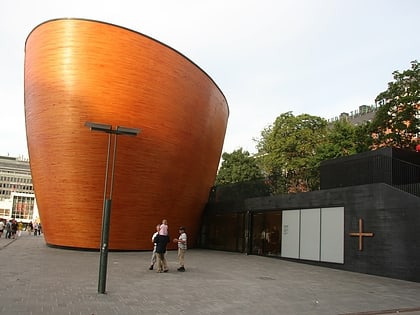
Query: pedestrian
[[1, 227], [153, 260], [19, 228], [14, 228], [8, 229], [35, 227], [161, 243], [182, 247], [29, 228]]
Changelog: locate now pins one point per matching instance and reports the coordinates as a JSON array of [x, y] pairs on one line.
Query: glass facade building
[[17, 197]]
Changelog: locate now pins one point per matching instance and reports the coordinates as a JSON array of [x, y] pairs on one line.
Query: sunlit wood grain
[[81, 70]]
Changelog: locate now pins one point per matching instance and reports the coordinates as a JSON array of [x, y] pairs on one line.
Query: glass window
[[266, 233]]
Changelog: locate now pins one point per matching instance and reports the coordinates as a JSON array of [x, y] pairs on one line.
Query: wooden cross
[[361, 234]]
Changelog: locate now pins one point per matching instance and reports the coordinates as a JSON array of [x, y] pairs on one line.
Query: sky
[[269, 57]]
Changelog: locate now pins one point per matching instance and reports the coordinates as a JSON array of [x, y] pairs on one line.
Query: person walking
[[8, 229], [182, 247], [35, 227], [153, 260], [1, 227], [19, 228], [14, 228], [29, 228]]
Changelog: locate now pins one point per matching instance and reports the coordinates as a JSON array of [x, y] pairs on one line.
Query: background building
[[363, 114], [17, 198]]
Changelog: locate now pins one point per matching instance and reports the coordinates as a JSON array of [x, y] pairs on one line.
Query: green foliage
[[287, 152], [344, 138], [291, 149], [240, 191], [363, 137], [396, 122], [236, 167], [339, 141]]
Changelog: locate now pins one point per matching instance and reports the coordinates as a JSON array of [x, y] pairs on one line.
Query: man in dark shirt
[[161, 242]]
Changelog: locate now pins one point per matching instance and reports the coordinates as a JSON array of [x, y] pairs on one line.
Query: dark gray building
[[365, 218]]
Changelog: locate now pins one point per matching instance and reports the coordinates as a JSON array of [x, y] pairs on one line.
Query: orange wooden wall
[[81, 70]]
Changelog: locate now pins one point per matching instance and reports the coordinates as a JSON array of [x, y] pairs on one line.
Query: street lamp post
[[106, 214]]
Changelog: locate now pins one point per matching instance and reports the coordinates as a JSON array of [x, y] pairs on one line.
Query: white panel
[[310, 234], [290, 233], [332, 235]]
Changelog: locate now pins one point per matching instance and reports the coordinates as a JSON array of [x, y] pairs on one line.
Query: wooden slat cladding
[[81, 70]]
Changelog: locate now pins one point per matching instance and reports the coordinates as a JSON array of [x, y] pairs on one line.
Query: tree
[[342, 139], [363, 137], [236, 167], [396, 122], [339, 141], [287, 152]]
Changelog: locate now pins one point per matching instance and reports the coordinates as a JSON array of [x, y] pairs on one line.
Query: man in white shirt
[[182, 247], [153, 260]]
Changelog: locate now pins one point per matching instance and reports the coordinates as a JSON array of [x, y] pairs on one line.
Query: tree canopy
[[342, 139], [238, 166], [292, 148], [396, 122], [287, 151]]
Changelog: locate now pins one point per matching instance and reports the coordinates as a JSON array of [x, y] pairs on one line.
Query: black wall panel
[[369, 187], [386, 165], [392, 215]]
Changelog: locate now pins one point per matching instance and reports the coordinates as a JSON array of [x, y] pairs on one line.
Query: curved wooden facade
[[81, 70]]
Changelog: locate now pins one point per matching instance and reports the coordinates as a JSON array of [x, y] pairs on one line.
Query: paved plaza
[[37, 279]]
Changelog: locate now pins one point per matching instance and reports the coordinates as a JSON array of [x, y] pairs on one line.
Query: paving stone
[[37, 279]]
